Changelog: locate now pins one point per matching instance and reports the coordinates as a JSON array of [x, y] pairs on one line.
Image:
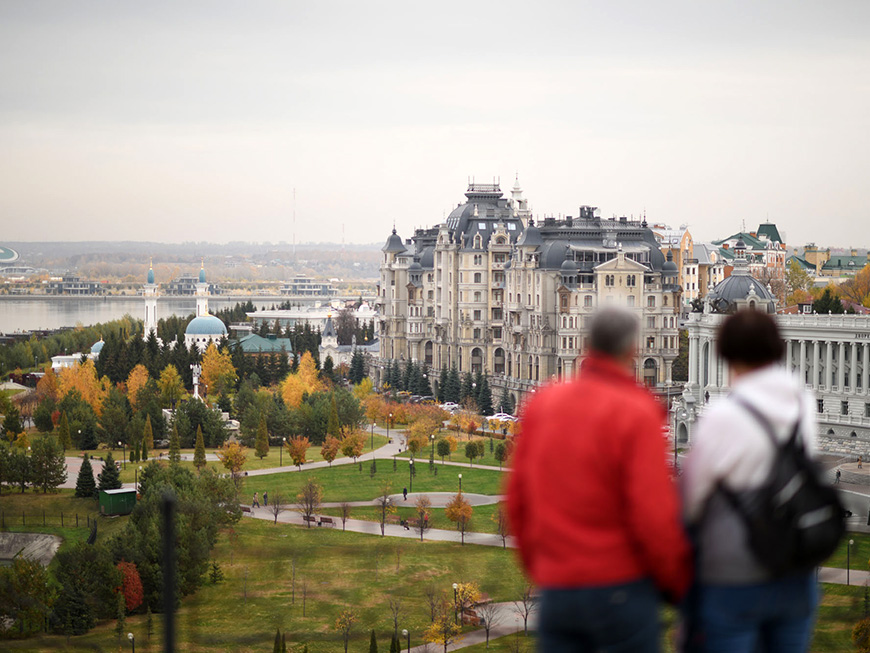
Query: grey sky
[[180, 121]]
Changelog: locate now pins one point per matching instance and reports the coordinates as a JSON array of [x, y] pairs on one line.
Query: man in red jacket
[[592, 504]]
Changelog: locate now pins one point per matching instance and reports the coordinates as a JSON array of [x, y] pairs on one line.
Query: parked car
[[503, 417]]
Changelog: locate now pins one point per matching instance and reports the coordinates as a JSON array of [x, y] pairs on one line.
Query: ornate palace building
[[489, 290]]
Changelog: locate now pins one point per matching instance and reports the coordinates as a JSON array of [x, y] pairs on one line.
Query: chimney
[[854, 252]]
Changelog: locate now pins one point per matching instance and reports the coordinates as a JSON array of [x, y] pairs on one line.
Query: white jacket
[[731, 447]]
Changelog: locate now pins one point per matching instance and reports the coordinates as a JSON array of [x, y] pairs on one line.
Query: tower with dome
[[149, 292], [204, 328]]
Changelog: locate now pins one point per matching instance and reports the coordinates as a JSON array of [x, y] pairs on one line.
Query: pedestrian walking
[[592, 504], [256, 502], [859, 462], [838, 475], [405, 493], [738, 604], [265, 499]]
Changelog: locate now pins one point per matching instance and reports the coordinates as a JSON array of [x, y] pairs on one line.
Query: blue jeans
[[774, 617], [609, 619]]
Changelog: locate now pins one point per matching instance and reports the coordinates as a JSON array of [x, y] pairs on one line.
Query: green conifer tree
[[143, 455], [134, 451], [276, 648], [332, 424], [174, 445], [261, 447], [149, 434], [86, 488], [199, 450], [63, 435], [110, 477], [373, 644]]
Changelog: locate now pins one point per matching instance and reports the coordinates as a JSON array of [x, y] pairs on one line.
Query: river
[[25, 313]]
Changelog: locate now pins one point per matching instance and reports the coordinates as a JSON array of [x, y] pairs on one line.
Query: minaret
[[149, 291], [201, 292]]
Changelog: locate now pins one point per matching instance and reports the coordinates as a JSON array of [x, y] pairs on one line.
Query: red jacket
[[590, 499]]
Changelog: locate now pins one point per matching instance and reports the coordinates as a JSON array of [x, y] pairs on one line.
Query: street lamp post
[[389, 421], [455, 603], [411, 474], [848, 556], [125, 453], [281, 453], [136, 472], [432, 438], [373, 437], [406, 634], [460, 484], [132, 641]]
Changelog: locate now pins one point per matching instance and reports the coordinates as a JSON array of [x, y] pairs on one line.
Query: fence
[[63, 519]]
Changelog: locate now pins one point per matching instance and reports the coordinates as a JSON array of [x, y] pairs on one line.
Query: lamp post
[[848, 556], [281, 452], [406, 634], [683, 416], [432, 438], [125, 453], [136, 472], [372, 445], [389, 421], [132, 641], [455, 603], [411, 474], [460, 484]]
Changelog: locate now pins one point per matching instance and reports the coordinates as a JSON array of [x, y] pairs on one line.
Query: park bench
[[327, 520], [307, 519], [392, 519], [246, 509]]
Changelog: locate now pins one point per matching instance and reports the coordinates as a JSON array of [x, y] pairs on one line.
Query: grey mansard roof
[[394, 244]]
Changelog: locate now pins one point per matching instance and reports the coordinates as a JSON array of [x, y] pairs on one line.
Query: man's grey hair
[[613, 331]]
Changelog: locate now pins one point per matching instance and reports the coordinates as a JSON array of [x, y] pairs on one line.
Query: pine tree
[[425, 386], [327, 371], [134, 451], [174, 445], [504, 401], [143, 456], [110, 477], [149, 434], [199, 450], [453, 386], [122, 617], [484, 397], [47, 464], [262, 443], [86, 488], [276, 648], [373, 644], [63, 435], [357, 367], [467, 388], [394, 644], [442, 385], [333, 427]]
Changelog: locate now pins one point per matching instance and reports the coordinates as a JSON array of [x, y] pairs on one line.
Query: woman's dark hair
[[750, 337]]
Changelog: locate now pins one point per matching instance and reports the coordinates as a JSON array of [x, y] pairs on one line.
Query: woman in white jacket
[[739, 606]]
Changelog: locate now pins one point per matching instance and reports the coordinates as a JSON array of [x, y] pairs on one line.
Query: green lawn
[[481, 520], [459, 455], [273, 459], [348, 483], [859, 557], [333, 569]]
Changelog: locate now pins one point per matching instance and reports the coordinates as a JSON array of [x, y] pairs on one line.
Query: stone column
[[711, 364], [829, 363], [816, 358], [693, 360], [668, 377], [853, 369], [803, 362], [865, 373]]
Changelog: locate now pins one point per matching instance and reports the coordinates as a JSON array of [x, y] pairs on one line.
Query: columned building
[[489, 290], [831, 353]]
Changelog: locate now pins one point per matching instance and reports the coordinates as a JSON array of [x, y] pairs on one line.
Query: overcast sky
[[177, 121]]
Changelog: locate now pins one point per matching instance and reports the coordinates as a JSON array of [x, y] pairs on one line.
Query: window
[[496, 333], [608, 279], [587, 301], [477, 277], [477, 334], [477, 295], [477, 315], [844, 408], [866, 410], [650, 323], [631, 280], [820, 405], [651, 343], [651, 301], [630, 300]]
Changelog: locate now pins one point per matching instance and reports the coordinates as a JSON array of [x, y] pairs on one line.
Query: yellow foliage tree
[[170, 385], [443, 630], [363, 389], [353, 444], [47, 388], [304, 380], [233, 456], [218, 372], [297, 447], [459, 512], [83, 378], [135, 382]]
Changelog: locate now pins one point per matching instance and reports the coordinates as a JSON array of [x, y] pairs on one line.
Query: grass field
[[273, 459], [459, 455], [348, 483], [481, 520]]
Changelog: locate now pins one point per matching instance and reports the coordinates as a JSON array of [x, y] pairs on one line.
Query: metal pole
[[168, 509]]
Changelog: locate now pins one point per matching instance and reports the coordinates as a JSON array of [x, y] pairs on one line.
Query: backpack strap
[[767, 427]]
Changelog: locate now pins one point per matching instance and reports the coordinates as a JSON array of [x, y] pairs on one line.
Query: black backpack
[[795, 519]]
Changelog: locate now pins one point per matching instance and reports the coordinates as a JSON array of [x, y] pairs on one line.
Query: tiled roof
[[256, 344]]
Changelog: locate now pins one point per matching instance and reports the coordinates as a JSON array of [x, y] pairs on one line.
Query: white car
[[450, 407], [503, 417]]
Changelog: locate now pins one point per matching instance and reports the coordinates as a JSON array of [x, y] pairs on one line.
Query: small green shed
[[117, 502]]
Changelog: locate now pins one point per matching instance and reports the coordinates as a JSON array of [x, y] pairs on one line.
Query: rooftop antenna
[[743, 228]]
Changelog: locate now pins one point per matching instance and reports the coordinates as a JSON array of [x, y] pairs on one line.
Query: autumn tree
[[171, 386], [467, 596], [422, 512], [443, 630], [459, 512], [384, 503], [262, 442], [442, 446], [136, 380], [353, 444], [500, 454], [276, 505], [363, 389], [344, 624], [304, 381], [329, 450], [309, 499], [297, 449], [199, 450], [797, 282], [82, 377], [232, 456], [218, 373], [857, 289], [131, 585]]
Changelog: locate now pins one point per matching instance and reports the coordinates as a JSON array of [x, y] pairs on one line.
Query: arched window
[[651, 301], [498, 360], [477, 277], [476, 360]]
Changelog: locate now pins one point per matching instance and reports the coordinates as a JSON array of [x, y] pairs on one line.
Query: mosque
[[202, 330]]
